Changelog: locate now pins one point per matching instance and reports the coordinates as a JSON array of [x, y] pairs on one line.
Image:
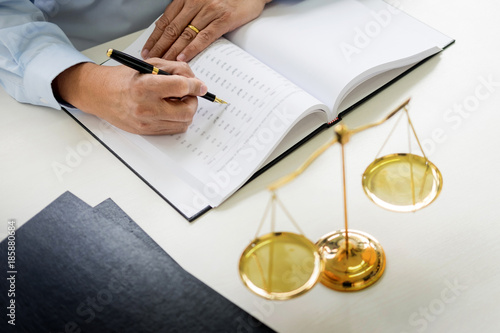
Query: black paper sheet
[[93, 269]]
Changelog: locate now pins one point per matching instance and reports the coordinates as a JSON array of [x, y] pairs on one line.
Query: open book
[[285, 75]]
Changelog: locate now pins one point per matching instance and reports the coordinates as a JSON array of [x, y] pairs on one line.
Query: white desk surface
[[443, 261]]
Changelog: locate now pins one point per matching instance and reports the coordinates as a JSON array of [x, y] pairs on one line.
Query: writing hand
[[172, 39], [137, 103]]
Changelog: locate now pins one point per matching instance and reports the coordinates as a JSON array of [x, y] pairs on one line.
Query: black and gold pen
[[145, 68]]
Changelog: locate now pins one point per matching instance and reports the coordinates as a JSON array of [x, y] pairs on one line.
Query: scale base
[[355, 270]]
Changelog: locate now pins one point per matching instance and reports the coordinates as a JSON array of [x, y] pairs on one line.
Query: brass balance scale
[[284, 265]]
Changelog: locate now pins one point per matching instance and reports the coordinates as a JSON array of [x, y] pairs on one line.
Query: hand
[[172, 39], [138, 103]]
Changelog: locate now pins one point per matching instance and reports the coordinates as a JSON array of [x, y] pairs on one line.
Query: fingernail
[[203, 89], [144, 53], [181, 57]]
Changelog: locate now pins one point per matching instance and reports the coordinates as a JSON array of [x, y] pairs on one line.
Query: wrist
[[75, 83]]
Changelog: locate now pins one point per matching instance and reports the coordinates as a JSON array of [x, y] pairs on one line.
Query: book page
[[328, 47], [226, 144]]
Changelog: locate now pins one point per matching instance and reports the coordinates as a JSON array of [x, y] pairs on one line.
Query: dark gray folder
[[85, 269]]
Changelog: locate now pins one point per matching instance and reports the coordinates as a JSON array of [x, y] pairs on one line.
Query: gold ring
[[192, 27]]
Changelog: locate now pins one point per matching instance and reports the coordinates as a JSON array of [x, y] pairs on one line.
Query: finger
[[172, 10], [196, 25], [158, 128], [214, 28], [179, 110], [172, 67], [165, 116], [175, 116], [187, 36], [166, 37], [202, 40], [172, 86], [171, 29]]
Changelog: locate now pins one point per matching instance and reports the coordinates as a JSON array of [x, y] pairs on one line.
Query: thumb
[[200, 88], [194, 87]]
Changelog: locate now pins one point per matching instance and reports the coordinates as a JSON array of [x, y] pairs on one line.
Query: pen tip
[[220, 101], [110, 51]]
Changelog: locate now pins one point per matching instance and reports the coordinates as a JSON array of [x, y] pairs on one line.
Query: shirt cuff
[[43, 69]]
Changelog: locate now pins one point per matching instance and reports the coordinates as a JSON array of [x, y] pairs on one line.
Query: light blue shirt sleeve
[[32, 53]]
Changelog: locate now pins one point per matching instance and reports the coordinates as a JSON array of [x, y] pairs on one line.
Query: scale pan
[[402, 182], [280, 265]]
